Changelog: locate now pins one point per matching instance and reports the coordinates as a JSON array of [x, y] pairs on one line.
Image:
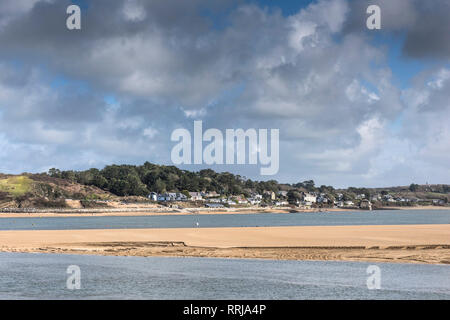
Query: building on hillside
[[256, 196], [153, 196], [338, 203], [307, 197], [171, 196], [210, 194], [196, 196], [282, 193], [271, 194], [254, 201], [322, 199], [242, 201], [376, 197], [365, 204]]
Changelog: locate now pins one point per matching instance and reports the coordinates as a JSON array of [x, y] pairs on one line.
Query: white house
[[254, 201], [309, 198], [171, 196], [282, 193], [376, 197], [257, 196], [339, 203], [242, 201], [153, 196], [196, 196]]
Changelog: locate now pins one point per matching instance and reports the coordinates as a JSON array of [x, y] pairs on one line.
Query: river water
[[379, 217], [43, 276]]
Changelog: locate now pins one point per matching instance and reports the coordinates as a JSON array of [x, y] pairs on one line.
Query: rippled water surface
[[43, 276], [379, 217]]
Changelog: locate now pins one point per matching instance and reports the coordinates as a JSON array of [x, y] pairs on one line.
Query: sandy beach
[[196, 211], [389, 243], [157, 212]]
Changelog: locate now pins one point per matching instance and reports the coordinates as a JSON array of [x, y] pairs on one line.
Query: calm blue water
[[381, 217], [43, 276]]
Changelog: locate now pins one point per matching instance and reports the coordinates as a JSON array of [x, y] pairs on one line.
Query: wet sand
[[149, 212], [196, 211], [395, 243]]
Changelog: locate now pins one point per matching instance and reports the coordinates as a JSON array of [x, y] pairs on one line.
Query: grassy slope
[[34, 190], [16, 185]]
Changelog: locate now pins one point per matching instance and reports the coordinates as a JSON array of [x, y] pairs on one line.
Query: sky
[[354, 107]]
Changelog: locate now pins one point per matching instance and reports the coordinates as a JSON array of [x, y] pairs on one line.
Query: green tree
[[293, 196]]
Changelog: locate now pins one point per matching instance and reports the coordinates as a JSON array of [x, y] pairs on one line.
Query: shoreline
[[197, 211], [428, 244]]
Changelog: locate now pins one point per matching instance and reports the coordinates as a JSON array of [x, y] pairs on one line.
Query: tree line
[[132, 180]]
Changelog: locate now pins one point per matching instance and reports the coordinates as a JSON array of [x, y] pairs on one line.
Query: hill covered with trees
[[140, 180], [131, 180], [52, 188]]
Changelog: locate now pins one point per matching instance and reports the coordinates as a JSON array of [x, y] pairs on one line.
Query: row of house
[[213, 199], [178, 196], [280, 199]]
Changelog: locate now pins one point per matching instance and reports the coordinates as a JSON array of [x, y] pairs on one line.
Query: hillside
[[140, 180], [43, 191], [132, 184]]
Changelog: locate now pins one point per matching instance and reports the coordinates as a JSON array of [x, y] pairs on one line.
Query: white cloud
[[330, 92], [134, 11]]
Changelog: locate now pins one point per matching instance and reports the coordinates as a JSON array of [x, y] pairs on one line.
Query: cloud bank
[[114, 91]]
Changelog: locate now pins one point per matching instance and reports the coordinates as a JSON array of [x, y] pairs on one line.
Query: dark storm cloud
[[425, 24], [429, 37]]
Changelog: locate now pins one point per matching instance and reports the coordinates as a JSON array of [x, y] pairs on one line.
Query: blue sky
[[355, 107]]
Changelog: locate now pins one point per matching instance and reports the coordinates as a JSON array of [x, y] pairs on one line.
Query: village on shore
[[129, 187], [302, 200]]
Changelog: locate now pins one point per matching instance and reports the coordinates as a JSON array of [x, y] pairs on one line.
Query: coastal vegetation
[[130, 180], [140, 180], [42, 191], [15, 185], [133, 183]]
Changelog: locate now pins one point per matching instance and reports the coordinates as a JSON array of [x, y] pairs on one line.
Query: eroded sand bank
[[395, 243]]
